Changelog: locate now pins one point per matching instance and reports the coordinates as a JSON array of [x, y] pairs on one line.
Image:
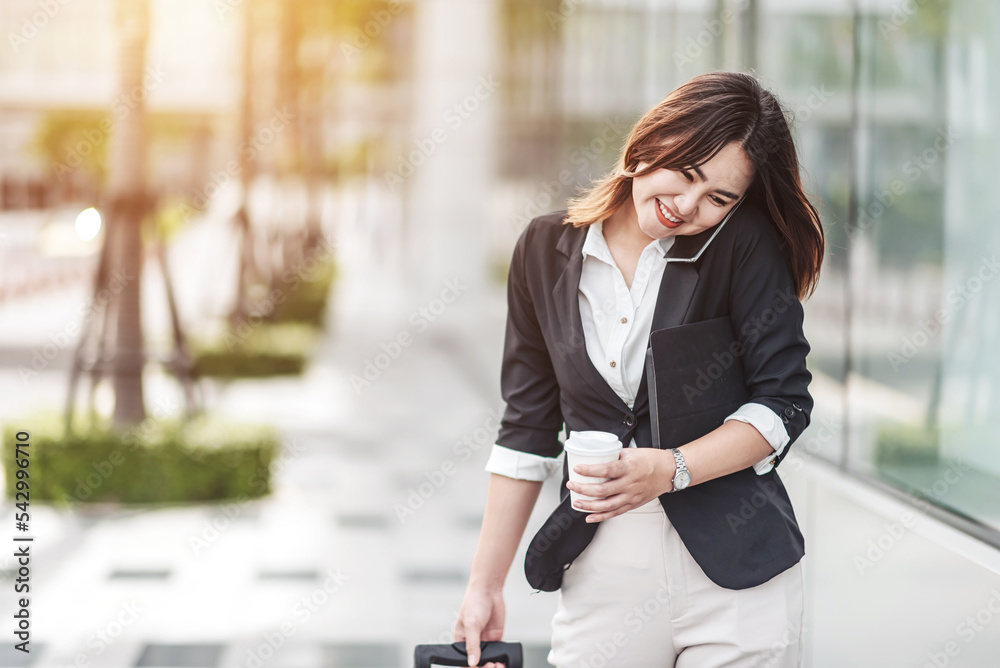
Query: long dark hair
[[693, 123]]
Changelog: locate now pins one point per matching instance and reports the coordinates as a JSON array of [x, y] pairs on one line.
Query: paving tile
[[535, 656], [361, 655], [435, 577], [180, 656], [362, 521], [14, 658], [289, 653], [139, 574], [302, 575]]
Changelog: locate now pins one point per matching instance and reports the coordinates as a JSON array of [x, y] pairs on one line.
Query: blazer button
[[796, 406], [784, 419], [629, 420], [789, 412]]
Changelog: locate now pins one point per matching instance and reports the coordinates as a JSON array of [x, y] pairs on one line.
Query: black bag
[[508, 653]]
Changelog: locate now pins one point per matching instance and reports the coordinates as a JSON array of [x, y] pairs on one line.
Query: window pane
[[804, 55], [925, 305]]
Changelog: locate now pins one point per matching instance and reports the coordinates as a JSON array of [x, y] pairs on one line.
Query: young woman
[[695, 557]]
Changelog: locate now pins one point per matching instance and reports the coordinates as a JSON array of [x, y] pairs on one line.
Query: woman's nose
[[683, 204]]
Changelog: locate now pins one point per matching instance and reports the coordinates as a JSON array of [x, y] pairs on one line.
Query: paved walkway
[[327, 570]]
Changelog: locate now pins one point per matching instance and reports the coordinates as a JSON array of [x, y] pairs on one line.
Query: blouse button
[[612, 362], [624, 320]]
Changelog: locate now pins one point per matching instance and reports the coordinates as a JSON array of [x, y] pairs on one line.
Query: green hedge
[[263, 350], [155, 462], [307, 302], [906, 444]]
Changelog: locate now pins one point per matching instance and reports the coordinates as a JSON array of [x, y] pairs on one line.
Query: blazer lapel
[[676, 289], [567, 309]]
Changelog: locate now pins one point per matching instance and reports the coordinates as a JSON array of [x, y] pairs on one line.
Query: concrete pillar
[[448, 163]]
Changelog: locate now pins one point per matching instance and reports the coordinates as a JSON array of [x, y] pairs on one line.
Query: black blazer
[[739, 528]]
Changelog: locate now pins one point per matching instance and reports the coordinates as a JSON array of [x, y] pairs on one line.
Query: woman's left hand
[[639, 476]]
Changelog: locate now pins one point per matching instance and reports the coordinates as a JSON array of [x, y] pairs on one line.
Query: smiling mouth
[[665, 216]]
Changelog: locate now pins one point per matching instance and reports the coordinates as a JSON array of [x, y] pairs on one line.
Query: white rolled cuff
[[522, 465], [769, 424]]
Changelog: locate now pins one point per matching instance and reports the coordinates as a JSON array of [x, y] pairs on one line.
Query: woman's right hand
[[481, 617]]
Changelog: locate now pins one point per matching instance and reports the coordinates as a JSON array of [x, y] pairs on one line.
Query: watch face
[[682, 480]]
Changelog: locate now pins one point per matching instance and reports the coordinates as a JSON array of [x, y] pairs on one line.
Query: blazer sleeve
[[767, 316], [533, 418]]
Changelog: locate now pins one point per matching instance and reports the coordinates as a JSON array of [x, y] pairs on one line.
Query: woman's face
[[692, 200]]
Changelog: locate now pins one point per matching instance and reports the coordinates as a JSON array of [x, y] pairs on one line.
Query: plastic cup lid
[[592, 443]]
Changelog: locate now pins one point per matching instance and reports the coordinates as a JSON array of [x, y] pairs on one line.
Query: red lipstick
[[662, 219]]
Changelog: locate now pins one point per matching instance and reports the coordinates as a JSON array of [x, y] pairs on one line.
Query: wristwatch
[[682, 477]]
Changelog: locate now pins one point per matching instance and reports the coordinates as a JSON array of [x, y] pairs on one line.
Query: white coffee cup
[[589, 447]]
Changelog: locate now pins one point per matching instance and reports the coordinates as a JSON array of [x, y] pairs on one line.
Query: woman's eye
[[687, 175], [718, 201]]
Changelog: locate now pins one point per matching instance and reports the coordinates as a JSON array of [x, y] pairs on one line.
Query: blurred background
[[253, 261]]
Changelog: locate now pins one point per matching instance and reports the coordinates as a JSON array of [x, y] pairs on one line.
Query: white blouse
[[616, 325]]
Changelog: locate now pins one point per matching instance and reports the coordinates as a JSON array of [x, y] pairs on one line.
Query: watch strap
[[681, 467]]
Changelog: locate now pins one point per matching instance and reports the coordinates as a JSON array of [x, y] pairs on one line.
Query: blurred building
[[58, 65], [495, 111]]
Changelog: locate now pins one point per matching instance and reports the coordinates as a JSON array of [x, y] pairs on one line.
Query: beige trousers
[[636, 598]]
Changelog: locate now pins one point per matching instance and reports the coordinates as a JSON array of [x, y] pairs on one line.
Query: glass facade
[[924, 253], [894, 108]]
